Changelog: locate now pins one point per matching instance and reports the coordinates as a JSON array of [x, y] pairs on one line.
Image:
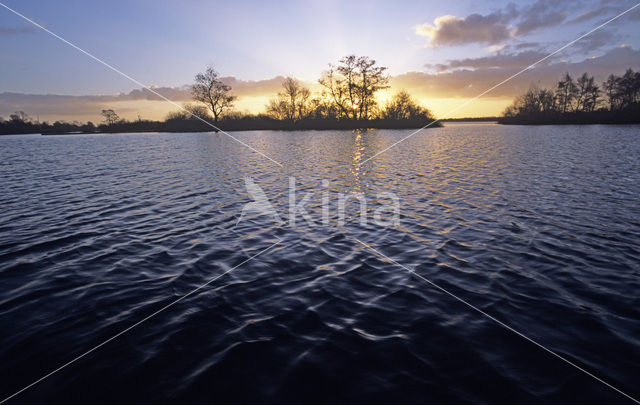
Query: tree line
[[349, 92], [348, 99], [616, 100]]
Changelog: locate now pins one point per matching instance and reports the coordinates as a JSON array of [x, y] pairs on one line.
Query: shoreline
[[502, 121], [242, 125], [630, 115]]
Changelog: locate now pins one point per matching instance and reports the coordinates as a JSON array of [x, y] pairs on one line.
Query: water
[[537, 226]]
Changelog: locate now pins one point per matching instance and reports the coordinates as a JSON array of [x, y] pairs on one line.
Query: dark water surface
[[537, 226]]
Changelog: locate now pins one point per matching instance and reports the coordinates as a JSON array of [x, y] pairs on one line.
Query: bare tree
[[188, 112], [372, 79], [581, 96], [566, 93], [547, 100], [404, 107], [629, 88], [196, 110], [587, 93], [110, 117], [337, 91], [352, 85], [278, 108], [610, 87], [303, 109], [209, 90], [622, 91], [20, 116], [292, 103], [534, 101], [323, 107]]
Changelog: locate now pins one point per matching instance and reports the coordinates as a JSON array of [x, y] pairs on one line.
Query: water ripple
[[538, 226]]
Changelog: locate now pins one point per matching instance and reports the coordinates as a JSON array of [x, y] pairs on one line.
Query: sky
[[442, 52]]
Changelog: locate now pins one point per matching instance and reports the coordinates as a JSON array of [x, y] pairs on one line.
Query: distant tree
[[209, 90], [323, 108], [546, 100], [292, 103], [197, 110], [179, 115], [611, 86], [302, 103], [20, 116], [278, 108], [88, 127], [110, 117], [510, 111], [565, 93], [352, 85], [581, 101], [629, 88], [403, 107], [587, 93], [534, 101], [189, 112]]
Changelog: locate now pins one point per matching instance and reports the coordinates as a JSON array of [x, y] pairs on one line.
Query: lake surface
[[537, 226]]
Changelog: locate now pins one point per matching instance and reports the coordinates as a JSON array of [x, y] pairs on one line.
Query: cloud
[[476, 28], [541, 14], [591, 14], [493, 28], [499, 60], [172, 93], [470, 77], [527, 45], [254, 88], [7, 31], [597, 40], [508, 23], [605, 11]]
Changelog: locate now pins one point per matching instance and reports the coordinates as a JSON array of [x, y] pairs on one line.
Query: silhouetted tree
[[110, 117], [587, 93], [403, 107], [209, 90], [188, 112], [566, 93], [20, 116], [352, 85], [88, 127], [534, 101], [622, 91], [629, 88], [197, 110], [292, 103], [610, 87], [323, 108], [279, 108], [579, 101], [179, 115]]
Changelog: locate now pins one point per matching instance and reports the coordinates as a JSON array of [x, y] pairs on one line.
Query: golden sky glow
[[148, 109]]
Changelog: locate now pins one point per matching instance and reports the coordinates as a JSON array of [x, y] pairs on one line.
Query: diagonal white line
[[501, 83], [136, 82], [138, 323], [493, 319]]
